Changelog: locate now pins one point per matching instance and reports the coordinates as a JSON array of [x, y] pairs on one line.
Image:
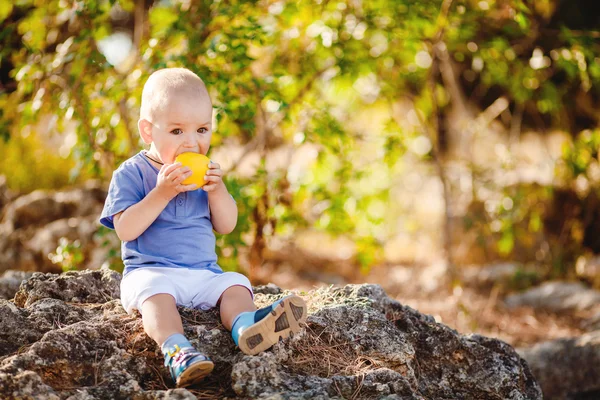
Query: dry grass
[[316, 299], [217, 385], [319, 354], [209, 318]]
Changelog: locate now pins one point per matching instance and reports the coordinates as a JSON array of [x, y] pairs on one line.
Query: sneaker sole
[[284, 320], [195, 373]]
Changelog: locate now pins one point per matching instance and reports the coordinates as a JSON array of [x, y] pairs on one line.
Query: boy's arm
[[223, 210], [132, 222]]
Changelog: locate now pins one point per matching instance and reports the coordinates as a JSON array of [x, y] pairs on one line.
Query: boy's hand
[[213, 178], [170, 176]]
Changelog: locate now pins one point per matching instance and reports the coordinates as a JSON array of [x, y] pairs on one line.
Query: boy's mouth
[[188, 151]]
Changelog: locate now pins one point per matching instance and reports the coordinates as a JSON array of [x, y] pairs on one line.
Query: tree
[[292, 75]]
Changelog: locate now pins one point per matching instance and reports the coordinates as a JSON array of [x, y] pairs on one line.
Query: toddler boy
[[166, 229]]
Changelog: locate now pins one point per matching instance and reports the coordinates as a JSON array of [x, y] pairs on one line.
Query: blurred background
[[447, 150]]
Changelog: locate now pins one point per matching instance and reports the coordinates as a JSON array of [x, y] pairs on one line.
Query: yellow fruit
[[196, 162]]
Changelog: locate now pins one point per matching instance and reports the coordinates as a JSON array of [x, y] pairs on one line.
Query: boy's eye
[[176, 131], [202, 130]]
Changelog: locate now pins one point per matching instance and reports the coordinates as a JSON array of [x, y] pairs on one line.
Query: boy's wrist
[[162, 195], [220, 190]]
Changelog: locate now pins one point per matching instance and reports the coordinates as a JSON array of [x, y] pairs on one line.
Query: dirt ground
[[466, 309]]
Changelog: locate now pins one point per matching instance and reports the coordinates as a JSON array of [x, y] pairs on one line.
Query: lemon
[[198, 164]]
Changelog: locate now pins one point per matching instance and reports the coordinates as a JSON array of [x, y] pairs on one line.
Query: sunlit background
[[356, 135]]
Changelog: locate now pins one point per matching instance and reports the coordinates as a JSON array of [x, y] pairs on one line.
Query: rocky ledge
[[67, 337]]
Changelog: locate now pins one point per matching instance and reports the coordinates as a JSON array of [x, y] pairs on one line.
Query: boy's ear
[[145, 128]]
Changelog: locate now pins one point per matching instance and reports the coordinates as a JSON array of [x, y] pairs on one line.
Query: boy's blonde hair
[[165, 83]]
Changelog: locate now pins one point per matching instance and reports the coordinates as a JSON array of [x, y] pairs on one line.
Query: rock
[[41, 207], [588, 268], [13, 253], [32, 225], [25, 385], [22, 326], [6, 195], [567, 368], [501, 274], [557, 297], [73, 286], [592, 324], [66, 336], [10, 282], [267, 289], [16, 330], [45, 240], [370, 346]]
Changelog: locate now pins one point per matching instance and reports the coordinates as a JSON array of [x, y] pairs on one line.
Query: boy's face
[[183, 125]]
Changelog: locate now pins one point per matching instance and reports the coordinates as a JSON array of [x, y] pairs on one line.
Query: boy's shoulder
[[137, 163], [135, 167]]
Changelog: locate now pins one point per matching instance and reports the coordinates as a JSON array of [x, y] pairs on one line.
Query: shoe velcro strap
[[184, 356]]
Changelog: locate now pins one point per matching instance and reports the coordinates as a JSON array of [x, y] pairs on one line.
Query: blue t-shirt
[[181, 236]]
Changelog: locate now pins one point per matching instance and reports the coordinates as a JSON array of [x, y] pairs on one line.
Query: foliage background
[[465, 126]]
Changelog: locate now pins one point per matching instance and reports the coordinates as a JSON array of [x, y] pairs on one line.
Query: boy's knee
[[235, 291], [159, 300], [238, 289]]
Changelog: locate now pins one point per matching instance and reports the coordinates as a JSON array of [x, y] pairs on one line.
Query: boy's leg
[[234, 301], [160, 317], [163, 324], [257, 330]]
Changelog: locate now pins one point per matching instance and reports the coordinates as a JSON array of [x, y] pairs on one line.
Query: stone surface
[[74, 286], [6, 195], [557, 297], [504, 276], [593, 324], [25, 385], [10, 282], [32, 225], [567, 368], [67, 337], [406, 354], [42, 207]]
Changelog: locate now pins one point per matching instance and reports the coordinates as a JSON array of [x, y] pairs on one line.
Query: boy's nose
[[188, 141]]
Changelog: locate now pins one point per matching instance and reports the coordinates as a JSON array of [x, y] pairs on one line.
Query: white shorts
[[193, 288]]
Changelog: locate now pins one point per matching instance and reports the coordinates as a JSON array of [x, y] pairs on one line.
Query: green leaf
[[161, 18], [5, 9], [522, 20], [506, 243]]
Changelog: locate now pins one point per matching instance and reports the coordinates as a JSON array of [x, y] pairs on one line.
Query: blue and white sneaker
[[259, 330], [187, 365]]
